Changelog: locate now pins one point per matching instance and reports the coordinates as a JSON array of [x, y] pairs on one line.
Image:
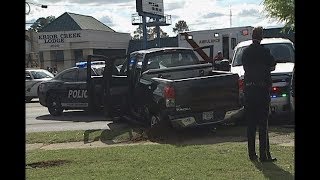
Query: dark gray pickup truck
[[157, 87], [171, 86]]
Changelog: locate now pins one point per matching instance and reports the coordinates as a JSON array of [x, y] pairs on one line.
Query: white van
[[283, 52]]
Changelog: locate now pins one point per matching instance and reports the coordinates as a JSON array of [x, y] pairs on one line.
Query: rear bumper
[[197, 119]]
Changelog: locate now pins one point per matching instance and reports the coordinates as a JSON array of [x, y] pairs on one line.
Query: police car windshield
[[282, 53], [41, 74]]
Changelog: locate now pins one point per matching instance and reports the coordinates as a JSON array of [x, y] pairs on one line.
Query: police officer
[[258, 63]]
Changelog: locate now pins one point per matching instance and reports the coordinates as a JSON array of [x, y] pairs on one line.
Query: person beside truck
[[257, 63]]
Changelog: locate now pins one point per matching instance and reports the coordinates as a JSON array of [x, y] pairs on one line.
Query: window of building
[[41, 56], [233, 43], [78, 55], [57, 55]]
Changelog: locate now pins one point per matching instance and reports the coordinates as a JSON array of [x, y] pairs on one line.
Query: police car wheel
[[54, 105]]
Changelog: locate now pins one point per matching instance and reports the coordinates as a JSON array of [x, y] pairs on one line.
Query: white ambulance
[[224, 40]]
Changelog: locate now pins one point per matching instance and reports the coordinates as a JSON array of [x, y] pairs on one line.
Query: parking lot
[[38, 119]]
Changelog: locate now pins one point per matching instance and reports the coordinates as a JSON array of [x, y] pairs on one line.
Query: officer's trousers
[[257, 103]]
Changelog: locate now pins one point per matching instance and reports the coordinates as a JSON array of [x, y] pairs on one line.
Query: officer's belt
[[256, 84]]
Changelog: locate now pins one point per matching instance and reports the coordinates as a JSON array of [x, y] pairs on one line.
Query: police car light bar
[[84, 63]]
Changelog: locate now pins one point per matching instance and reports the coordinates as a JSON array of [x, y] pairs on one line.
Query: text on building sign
[[58, 38]]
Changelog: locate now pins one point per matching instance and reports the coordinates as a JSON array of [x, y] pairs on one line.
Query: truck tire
[[54, 105], [159, 126]]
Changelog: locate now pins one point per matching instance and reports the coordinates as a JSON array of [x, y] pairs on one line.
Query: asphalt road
[[38, 119]]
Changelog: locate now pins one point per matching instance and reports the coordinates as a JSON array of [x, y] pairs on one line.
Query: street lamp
[[28, 9]]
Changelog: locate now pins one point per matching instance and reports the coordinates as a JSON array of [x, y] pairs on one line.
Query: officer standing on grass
[[258, 64]]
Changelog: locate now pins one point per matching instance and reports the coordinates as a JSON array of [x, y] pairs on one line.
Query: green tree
[[41, 22], [138, 33], [282, 10], [180, 26], [151, 33]]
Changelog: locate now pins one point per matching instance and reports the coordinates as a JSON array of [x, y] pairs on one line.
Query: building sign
[[150, 6], [58, 37], [208, 41]]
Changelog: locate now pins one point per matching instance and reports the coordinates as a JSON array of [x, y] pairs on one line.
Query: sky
[[198, 14]]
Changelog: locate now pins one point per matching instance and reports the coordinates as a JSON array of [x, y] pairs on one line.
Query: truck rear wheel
[[159, 126], [54, 105]]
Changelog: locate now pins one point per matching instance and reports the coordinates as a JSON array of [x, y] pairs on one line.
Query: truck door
[[119, 87], [225, 47], [74, 92]]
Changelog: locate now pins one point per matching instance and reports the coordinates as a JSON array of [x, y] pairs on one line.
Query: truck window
[[82, 75], [69, 76], [160, 60]]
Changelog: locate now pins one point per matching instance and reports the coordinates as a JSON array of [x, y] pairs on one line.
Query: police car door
[[74, 95]]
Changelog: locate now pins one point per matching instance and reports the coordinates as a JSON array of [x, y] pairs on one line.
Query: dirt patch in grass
[[46, 164]]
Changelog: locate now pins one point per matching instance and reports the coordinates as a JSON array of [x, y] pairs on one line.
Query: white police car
[[283, 52], [32, 80]]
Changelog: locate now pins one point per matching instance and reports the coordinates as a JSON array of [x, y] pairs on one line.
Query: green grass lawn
[[119, 135], [127, 134], [223, 159], [216, 161]]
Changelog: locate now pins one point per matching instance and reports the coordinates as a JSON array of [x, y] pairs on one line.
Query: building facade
[[32, 50], [72, 37]]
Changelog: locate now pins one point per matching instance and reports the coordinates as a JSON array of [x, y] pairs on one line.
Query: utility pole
[[230, 17]]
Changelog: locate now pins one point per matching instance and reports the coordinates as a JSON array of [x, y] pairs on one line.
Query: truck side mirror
[[225, 65]]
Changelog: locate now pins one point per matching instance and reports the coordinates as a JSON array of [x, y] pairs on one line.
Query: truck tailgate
[[200, 94]]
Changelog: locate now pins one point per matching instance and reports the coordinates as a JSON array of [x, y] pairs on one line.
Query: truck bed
[[218, 92]]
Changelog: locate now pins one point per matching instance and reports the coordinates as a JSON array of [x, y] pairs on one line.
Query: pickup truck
[[163, 86]]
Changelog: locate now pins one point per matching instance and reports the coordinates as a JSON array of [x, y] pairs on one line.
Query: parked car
[[283, 52], [33, 78]]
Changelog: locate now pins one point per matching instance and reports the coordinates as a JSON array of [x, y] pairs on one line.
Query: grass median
[[162, 161], [225, 158], [119, 135]]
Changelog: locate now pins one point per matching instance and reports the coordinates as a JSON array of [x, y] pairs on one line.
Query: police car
[[283, 52], [68, 89]]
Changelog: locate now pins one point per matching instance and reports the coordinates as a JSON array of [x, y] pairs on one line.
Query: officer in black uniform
[[258, 63]]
